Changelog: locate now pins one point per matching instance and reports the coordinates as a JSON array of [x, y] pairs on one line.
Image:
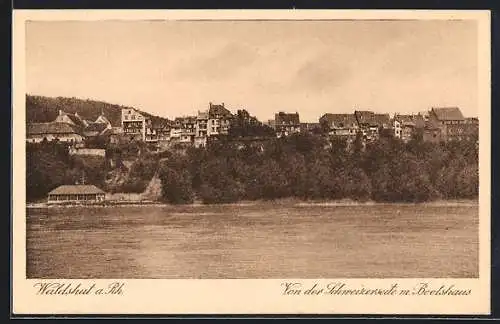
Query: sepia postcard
[[251, 162]]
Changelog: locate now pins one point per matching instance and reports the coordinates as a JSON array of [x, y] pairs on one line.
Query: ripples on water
[[253, 241]]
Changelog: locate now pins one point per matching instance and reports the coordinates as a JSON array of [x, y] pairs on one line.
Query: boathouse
[[76, 194]]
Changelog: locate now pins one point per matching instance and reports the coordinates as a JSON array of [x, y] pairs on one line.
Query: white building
[[133, 124]]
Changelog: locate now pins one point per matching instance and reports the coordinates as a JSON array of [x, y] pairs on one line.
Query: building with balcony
[[133, 124]]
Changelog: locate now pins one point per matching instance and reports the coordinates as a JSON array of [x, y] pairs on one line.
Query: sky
[[175, 68]]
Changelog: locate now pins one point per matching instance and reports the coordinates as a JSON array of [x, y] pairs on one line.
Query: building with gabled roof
[[452, 124], [101, 119], [446, 114], [73, 119], [219, 120], [339, 124], [53, 131], [76, 194]]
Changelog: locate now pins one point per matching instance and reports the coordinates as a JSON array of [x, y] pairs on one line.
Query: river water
[[258, 241]]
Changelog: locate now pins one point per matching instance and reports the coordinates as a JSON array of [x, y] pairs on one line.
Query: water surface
[[253, 241]]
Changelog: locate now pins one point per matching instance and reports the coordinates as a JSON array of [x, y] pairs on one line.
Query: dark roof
[[447, 113], [218, 111], [411, 120], [159, 124], [202, 115], [76, 119], [381, 119], [372, 119], [287, 118], [364, 117], [185, 120], [50, 128], [95, 127], [339, 120], [76, 190]]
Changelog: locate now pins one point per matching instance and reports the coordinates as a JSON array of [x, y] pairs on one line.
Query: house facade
[[53, 131], [133, 124], [339, 124], [286, 124], [405, 126], [452, 125], [219, 120], [371, 123], [157, 132]]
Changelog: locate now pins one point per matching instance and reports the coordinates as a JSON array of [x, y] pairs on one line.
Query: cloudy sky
[[177, 67]]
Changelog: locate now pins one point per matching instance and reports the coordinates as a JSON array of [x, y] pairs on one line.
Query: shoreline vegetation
[[301, 167]]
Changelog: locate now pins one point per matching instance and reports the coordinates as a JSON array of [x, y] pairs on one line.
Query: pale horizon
[[175, 68]]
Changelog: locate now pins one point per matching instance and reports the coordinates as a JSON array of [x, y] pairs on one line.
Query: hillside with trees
[[41, 109], [306, 167]]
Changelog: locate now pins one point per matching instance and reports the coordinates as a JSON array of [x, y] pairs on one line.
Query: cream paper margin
[[245, 296]]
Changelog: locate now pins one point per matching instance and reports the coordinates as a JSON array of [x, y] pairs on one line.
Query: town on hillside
[[436, 125], [91, 159]]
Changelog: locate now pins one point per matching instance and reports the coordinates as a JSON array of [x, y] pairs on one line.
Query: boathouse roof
[[76, 190]]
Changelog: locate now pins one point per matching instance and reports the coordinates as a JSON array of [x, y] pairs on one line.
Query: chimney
[[76, 113], [210, 104], [60, 112], [222, 104]]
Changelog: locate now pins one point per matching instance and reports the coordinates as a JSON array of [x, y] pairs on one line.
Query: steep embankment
[[153, 190]]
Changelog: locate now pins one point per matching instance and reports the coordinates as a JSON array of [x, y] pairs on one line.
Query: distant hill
[[41, 109]]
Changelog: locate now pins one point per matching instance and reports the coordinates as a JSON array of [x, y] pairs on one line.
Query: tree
[[176, 186]]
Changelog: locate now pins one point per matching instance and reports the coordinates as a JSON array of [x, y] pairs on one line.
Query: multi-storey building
[[405, 126], [339, 124], [286, 124], [134, 124], [188, 129], [219, 120], [183, 130], [452, 124], [201, 129], [371, 123], [151, 135]]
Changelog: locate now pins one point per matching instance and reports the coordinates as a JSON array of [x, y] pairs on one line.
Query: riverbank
[[278, 202]]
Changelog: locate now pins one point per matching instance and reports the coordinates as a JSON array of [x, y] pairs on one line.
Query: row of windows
[[133, 117]]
